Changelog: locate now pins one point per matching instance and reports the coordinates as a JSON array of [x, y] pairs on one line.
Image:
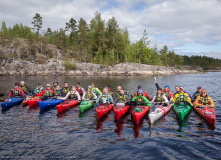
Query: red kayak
[[120, 110], [67, 104], [139, 112], [102, 110], [33, 102], [208, 114]]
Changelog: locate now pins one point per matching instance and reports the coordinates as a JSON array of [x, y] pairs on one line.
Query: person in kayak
[[80, 89], [109, 91], [66, 89], [104, 98], [16, 91], [89, 95], [160, 97], [48, 92], [58, 92], [54, 85], [177, 88], [144, 93], [96, 91], [71, 95], [196, 94], [140, 99], [121, 97], [25, 89], [166, 90], [182, 97], [204, 100], [38, 89]]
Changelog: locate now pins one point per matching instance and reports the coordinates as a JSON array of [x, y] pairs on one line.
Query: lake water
[[31, 134]]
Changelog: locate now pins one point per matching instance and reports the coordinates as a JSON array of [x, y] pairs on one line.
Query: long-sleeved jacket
[[170, 97], [195, 95], [104, 98], [207, 101], [141, 98], [121, 98], [144, 94], [69, 93], [19, 89], [81, 91], [43, 92]]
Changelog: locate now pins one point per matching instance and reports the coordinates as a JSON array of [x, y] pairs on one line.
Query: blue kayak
[[11, 102], [48, 103]]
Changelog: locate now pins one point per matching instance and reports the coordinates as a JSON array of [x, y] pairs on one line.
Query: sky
[[188, 27]]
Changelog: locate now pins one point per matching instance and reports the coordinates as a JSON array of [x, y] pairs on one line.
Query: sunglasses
[[203, 92]]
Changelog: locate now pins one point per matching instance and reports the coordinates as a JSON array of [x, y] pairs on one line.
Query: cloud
[[175, 23]]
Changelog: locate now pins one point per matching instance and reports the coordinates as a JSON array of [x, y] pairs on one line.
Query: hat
[[167, 86], [181, 87], [159, 89], [109, 86], [203, 90], [88, 86], [55, 82], [199, 87], [140, 91], [39, 83], [79, 83], [48, 85], [139, 87]]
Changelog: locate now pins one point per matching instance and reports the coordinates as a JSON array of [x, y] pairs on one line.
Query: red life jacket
[[80, 91]]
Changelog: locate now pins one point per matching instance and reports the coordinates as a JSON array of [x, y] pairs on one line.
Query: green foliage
[[97, 42], [70, 65]]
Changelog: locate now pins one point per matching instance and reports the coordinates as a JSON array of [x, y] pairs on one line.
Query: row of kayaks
[[137, 112]]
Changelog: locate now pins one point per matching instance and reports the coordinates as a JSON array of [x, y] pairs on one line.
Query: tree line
[[101, 42]]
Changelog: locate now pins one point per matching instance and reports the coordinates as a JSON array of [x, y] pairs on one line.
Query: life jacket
[[80, 91], [167, 95], [159, 99], [38, 90], [140, 100], [72, 95], [198, 94], [24, 88], [122, 98], [89, 95], [104, 98], [204, 101], [94, 90], [66, 90], [181, 97], [53, 88], [57, 93], [48, 93], [16, 92]]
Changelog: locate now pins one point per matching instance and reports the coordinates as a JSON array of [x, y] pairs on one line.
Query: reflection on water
[[28, 132]]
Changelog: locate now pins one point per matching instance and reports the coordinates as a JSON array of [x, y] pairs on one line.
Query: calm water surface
[[31, 134]]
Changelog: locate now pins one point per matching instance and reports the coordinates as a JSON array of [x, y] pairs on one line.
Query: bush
[[70, 66]]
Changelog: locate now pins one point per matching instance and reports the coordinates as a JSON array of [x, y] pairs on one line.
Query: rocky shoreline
[[54, 67]]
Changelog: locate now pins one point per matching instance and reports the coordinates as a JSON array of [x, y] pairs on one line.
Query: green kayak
[[182, 109], [85, 105]]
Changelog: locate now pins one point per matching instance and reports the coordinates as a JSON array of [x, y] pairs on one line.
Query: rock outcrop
[[53, 67]]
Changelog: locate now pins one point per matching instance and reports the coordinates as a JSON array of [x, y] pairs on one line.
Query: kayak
[[33, 102], [48, 103], [120, 110], [206, 113], [158, 112], [10, 102], [139, 112], [25, 101], [102, 110], [66, 104], [85, 105], [182, 110]]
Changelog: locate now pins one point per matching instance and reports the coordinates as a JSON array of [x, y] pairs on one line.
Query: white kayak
[[158, 112]]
